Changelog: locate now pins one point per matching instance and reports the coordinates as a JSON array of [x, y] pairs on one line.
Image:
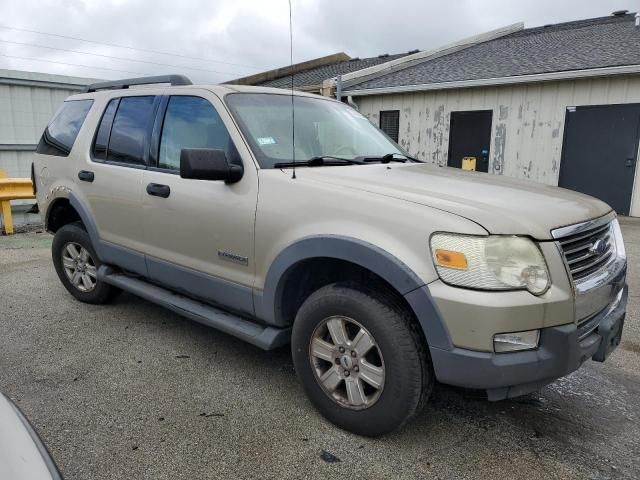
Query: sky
[[212, 41]]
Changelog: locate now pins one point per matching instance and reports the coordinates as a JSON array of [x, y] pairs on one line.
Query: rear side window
[[132, 122], [60, 135], [191, 122]]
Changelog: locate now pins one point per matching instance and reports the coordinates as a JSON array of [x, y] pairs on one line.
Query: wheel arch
[[59, 213], [275, 302], [68, 209]]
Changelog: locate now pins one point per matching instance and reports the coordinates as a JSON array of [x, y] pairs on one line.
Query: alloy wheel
[[347, 362], [79, 267]]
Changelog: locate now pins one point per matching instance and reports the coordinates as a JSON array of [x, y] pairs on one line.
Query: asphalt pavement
[[133, 391]]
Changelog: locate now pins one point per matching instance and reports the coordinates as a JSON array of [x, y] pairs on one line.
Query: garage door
[[599, 152]]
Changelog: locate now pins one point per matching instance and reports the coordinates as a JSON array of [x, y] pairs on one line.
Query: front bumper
[[561, 351]]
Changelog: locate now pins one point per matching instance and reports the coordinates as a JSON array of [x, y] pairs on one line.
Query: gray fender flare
[[88, 222], [361, 253], [83, 212]]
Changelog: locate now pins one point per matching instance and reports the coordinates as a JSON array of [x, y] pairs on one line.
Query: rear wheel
[[361, 359], [76, 264]]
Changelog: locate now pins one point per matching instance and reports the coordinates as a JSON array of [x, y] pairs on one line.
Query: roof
[[37, 79], [578, 45], [315, 76]]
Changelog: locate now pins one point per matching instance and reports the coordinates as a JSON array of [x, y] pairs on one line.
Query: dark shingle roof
[[578, 45], [315, 76]]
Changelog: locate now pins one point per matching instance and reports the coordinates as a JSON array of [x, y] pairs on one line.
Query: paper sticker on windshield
[[266, 141]]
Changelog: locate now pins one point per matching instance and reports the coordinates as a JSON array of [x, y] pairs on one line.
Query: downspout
[[353, 104], [339, 88]]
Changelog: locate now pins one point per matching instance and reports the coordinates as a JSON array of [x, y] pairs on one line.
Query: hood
[[502, 205]]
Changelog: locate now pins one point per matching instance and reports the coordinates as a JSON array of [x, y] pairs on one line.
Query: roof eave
[[386, 68], [496, 81]]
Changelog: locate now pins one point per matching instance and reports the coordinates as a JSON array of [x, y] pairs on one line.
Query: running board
[[261, 336]]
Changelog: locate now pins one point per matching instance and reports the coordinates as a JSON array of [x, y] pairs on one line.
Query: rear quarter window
[[60, 135]]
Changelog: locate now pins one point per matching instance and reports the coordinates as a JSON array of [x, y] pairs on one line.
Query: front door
[[470, 137], [199, 234], [599, 152]]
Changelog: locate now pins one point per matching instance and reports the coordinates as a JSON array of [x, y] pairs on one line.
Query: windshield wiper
[[389, 157], [413, 159], [324, 160]]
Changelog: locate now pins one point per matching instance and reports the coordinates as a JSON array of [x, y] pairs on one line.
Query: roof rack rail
[[173, 80]]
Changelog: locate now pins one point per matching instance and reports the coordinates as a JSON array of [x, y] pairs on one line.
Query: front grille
[[588, 251]]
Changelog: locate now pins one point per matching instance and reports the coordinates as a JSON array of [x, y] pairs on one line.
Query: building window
[[390, 123]]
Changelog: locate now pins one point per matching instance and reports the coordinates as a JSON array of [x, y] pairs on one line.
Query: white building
[[558, 104]]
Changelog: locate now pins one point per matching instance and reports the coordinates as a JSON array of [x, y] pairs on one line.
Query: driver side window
[[191, 122]]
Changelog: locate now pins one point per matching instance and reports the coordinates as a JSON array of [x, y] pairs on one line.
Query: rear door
[[199, 237], [600, 152], [111, 178]]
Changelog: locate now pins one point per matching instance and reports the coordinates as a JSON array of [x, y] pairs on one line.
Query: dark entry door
[[470, 136], [599, 152]]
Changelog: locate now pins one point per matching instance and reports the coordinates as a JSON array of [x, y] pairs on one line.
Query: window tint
[[58, 138], [191, 122], [130, 126], [390, 123], [102, 137]]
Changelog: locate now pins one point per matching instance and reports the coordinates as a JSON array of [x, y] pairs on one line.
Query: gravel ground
[[133, 391]]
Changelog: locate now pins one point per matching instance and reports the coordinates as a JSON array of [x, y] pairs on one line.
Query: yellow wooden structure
[[12, 189]]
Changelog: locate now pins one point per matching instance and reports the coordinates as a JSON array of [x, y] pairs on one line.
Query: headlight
[[617, 235], [490, 263]]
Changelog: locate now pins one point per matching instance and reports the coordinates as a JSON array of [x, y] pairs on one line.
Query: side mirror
[[208, 164]]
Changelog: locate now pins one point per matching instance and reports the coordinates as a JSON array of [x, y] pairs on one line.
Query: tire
[[73, 237], [398, 348]]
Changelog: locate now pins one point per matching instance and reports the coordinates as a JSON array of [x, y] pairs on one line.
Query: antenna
[[293, 111]]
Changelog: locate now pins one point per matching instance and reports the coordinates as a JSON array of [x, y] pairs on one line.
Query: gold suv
[[384, 273]]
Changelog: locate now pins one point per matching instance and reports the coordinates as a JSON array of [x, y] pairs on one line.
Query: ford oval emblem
[[598, 247]]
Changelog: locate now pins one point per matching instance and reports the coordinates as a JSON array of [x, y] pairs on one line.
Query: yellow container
[[469, 163]]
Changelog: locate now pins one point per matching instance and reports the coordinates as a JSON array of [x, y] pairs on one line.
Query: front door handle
[[630, 161], [86, 175], [158, 190]]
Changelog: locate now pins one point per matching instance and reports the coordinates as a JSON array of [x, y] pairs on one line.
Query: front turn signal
[[451, 259]]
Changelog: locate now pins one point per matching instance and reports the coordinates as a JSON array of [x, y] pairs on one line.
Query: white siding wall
[[528, 121], [24, 113]]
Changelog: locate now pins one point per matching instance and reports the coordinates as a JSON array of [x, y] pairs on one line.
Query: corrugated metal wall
[[528, 121], [25, 112]]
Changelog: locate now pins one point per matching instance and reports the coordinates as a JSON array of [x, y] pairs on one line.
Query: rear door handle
[[630, 161], [86, 175], [158, 190]]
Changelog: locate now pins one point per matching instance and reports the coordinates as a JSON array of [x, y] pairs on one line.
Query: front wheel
[[360, 359]]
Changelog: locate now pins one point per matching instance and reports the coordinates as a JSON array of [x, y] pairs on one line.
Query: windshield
[[323, 129]]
